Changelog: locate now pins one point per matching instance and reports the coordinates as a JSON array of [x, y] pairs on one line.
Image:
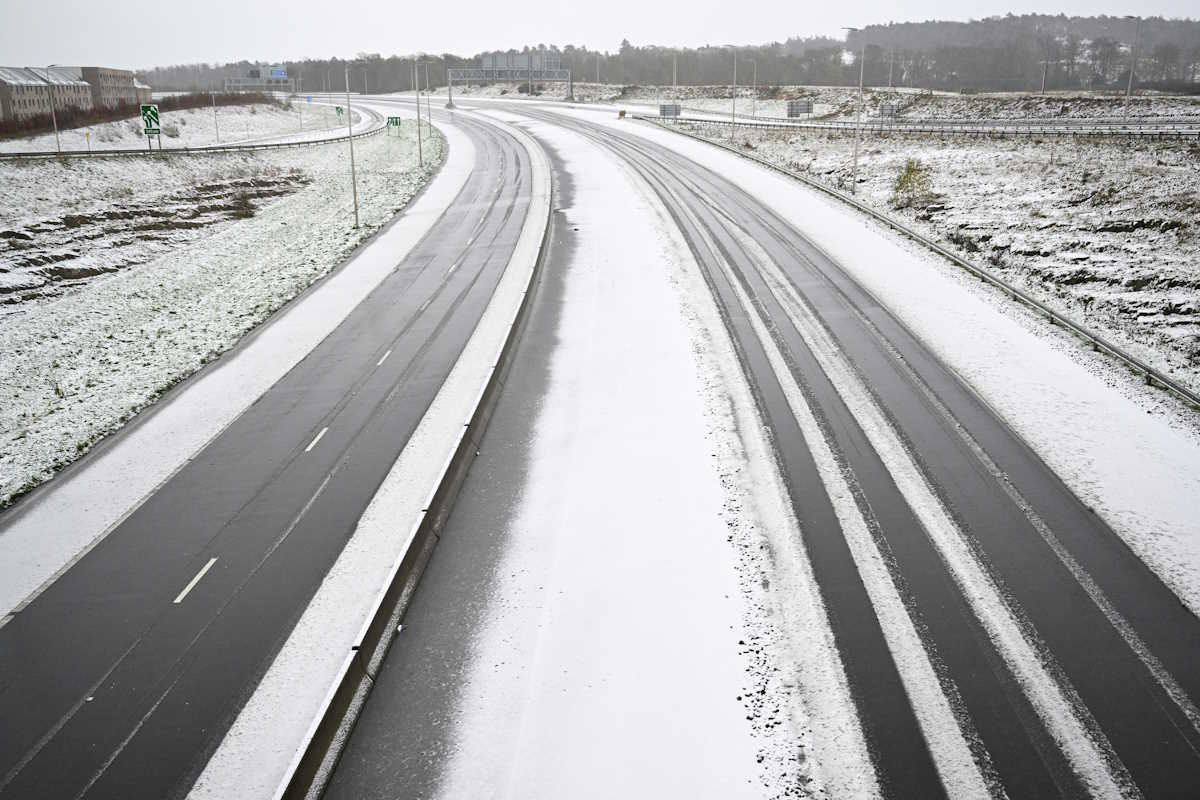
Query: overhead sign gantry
[[494, 67]]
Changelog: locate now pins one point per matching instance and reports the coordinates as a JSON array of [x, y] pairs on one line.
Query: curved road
[[121, 677], [1099, 629]]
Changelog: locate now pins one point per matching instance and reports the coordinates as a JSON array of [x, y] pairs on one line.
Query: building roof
[[40, 76]]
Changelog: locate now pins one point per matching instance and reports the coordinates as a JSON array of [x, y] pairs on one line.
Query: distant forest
[[1010, 53]]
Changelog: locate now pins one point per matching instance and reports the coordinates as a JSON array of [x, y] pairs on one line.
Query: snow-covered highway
[[994, 635], [767, 506]]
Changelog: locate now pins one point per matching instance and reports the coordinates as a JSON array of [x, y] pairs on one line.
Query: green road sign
[[339, 110], [394, 122], [150, 119]]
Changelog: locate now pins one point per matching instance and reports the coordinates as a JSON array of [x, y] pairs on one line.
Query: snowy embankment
[[1128, 451], [1105, 232], [81, 360], [193, 127]]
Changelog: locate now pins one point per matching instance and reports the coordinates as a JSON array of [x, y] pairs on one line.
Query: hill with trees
[[1009, 53]]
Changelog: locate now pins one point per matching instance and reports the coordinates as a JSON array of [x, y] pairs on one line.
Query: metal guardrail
[[43, 155], [1151, 376], [1181, 131]]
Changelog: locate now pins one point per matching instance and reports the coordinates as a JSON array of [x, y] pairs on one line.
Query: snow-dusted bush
[[913, 185]]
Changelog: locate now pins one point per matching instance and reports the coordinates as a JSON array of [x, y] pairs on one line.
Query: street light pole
[[733, 106], [754, 90], [216, 125], [862, 58], [428, 92], [1132, 63], [53, 115], [350, 139], [417, 93]]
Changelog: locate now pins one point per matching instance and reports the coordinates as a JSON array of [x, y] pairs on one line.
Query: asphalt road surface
[[1118, 644], [121, 677]]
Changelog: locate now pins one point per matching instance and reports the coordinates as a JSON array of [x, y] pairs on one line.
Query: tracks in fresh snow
[[998, 638]]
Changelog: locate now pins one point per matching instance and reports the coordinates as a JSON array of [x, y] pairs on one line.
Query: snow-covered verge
[[77, 365], [672, 678], [1105, 232], [193, 127], [1128, 451], [260, 748]]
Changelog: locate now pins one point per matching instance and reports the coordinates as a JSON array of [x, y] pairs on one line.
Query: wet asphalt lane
[[121, 677]]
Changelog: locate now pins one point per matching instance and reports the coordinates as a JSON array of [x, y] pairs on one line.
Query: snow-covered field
[[1107, 233], [82, 359], [193, 127]]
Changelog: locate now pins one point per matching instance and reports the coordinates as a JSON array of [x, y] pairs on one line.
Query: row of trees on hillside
[[999, 53], [1015, 52]]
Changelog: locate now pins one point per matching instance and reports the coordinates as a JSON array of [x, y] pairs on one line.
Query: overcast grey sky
[[145, 33]]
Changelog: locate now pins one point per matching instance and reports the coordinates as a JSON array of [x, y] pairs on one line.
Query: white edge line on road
[[948, 742], [383, 358], [1065, 716], [317, 438], [310, 664], [192, 583]]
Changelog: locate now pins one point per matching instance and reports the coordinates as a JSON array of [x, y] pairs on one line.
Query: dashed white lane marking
[[424, 305], [453, 267], [383, 358], [192, 583], [316, 438]]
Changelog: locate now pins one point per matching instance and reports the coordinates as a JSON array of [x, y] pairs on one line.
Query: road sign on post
[[797, 107], [339, 110], [150, 119], [668, 109]]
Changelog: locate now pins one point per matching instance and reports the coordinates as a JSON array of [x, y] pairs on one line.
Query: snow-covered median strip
[[256, 756], [611, 659], [202, 300]]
